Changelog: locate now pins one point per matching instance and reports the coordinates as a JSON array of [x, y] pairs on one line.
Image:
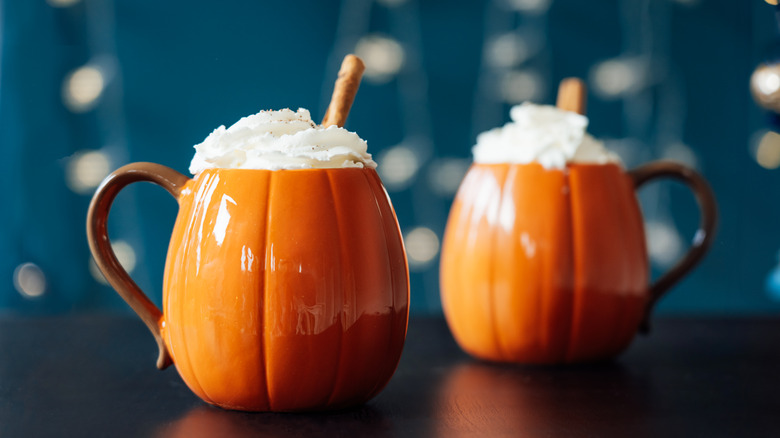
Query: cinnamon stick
[[572, 95], [344, 91]]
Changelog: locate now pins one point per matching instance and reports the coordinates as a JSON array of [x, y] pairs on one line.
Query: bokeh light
[[529, 6], [29, 280], [522, 85], [383, 57], [767, 80], [62, 3], [422, 246], [765, 86], [767, 150], [616, 78], [663, 243], [124, 253], [630, 150], [397, 166], [82, 88], [94, 271], [445, 175], [86, 169], [508, 50], [681, 153], [391, 3]]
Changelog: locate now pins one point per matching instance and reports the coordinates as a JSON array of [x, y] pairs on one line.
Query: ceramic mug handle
[[701, 240], [99, 244]]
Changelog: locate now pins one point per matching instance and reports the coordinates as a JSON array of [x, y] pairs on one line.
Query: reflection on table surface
[[95, 376], [209, 421]]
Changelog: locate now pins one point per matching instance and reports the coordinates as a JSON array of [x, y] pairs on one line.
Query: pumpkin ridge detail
[[579, 285], [491, 215], [392, 232], [267, 330], [504, 196], [199, 205], [622, 318], [568, 341], [374, 185], [610, 263], [342, 262], [264, 295]]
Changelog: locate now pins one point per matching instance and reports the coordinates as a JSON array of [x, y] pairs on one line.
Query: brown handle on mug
[[99, 244], [702, 240]]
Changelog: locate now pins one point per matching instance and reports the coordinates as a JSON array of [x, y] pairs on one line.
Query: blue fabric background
[[182, 68]]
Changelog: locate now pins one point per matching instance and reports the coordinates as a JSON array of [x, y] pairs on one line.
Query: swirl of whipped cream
[[544, 134], [283, 139]]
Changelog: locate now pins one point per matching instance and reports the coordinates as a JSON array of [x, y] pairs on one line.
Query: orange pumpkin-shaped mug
[[550, 266], [284, 290]]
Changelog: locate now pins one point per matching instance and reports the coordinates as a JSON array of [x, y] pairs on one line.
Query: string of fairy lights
[[765, 145], [393, 58], [93, 86], [643, 77], [516, 66]]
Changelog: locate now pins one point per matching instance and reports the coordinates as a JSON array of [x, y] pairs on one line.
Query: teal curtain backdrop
[[89, 85]]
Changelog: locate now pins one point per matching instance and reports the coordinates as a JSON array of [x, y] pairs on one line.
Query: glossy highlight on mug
[[283, 291]]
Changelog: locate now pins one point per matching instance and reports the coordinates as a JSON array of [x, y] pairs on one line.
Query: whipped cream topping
[[283, 139], [544, 134]]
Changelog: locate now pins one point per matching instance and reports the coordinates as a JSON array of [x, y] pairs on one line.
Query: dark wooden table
[[95, 376]]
